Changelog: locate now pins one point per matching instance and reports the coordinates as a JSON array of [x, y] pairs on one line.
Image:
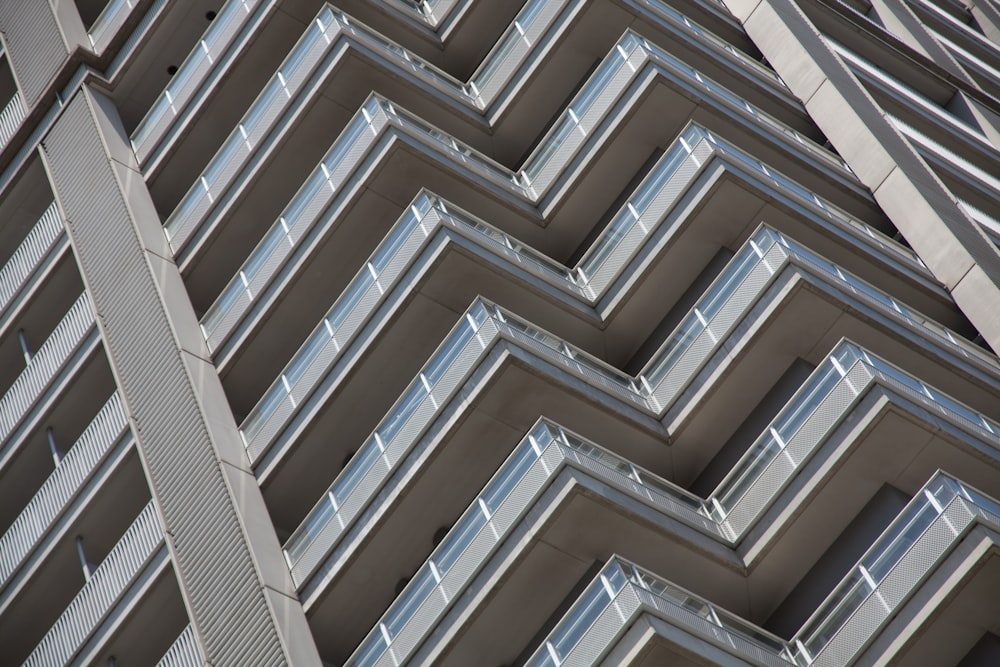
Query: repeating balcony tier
[[491, 89], [938, 518], [446, 578], [408, 437], [73, 339], [74, 471], [765, 266], [141, 548], [563, 162], [318, 212]]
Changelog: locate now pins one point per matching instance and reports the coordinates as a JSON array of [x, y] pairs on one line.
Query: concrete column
[[232, 574], [914, 198], [40, 38]]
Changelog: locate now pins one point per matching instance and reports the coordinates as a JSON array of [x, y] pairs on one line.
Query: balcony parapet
[[66, 340], [920, 537], [184, 652], [585, 121], [540, 458], [62, 486], [119, 570], [718, 312], [107, 24], [239, 19], [312, 212], [29, 255], [749, 489]]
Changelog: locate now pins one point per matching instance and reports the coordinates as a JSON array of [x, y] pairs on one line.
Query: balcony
[[623, 593], [769, 259], [184, 652], [577, 32], [409, 436], [13, 109], [205, 220], [124, 571], [78, 468], [940, 516], [107, 24], [45, 242], [70, 343], [513, 491]]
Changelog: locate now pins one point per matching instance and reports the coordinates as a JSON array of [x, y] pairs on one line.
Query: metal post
[[25, 350], [88, 569], [57, 455]]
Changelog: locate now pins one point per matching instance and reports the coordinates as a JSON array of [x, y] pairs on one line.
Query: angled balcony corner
[[931, 526], [457, 566], [786, 446], [542, 333]]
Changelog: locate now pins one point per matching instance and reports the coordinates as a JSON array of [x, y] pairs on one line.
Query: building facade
[[458, 332]]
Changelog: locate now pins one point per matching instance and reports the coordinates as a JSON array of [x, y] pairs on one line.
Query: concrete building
[[457, 332]]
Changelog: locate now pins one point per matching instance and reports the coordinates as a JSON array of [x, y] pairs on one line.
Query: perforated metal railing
[[753, 484], [28, 255], [819, 405], [213, 48], [723, 304], [540, 170], [444, 577], [183, 652], [311, 213], [887, 575], [115, 574], [111, 18], [10, 117], [800, 429], [62, 486], [620, 593], [890, 571], [238, 19], [76, 327], [483, 325]]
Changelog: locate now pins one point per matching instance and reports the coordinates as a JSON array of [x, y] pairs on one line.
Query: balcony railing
[[498, 68], [112, 18], [817, 408], [621, 592], [312, 213], [212, 48], [29, 254], [106, 585], [470, 543], [62, 344], [568, 136], [665, 376], [890, 571], [539, 458], [480, 329], [62, 486], [183, 652], [10, 118], [795, 435]]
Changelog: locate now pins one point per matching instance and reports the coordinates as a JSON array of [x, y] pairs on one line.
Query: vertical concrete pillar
[[231, 572], [918, 203]]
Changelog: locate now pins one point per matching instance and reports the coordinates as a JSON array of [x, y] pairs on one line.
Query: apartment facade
[[461, 332]]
